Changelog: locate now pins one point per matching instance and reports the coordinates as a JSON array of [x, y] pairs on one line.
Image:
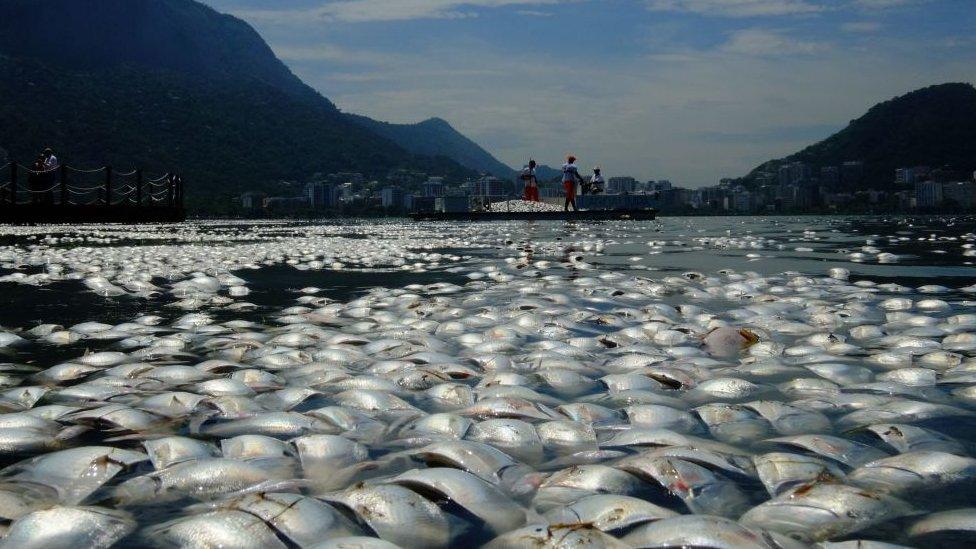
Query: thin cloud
[[761, 42], [861, 26], [884, 4], [737, 8], [364, 11], [391, 10]]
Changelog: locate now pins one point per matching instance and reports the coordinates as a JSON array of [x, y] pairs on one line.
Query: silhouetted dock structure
[[582, 215], [103, 195]]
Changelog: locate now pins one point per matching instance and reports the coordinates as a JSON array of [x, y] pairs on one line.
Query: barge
[[584, 215]]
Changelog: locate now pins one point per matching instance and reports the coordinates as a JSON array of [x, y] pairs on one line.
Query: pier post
[[139, 187], [108, 185], [63, 173], [179, 191], [13, 182], [169, 190]]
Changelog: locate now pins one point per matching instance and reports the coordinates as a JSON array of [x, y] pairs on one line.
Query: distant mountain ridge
[[934, 126], [435, 137], [175, 84]]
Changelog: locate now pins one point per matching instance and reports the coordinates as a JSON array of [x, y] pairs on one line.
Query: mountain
[[173, 84], [933, 126], [435, 137], [172, 35]]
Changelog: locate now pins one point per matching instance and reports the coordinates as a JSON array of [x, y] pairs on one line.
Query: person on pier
[[571, 177], [49, 178], [530, 181], [50, 161], [597, 183], [36, 180]]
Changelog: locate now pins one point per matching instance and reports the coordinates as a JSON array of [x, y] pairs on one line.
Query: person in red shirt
[[531, 183]]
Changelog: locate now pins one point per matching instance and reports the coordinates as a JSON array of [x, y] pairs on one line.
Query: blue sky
[[687, 90]]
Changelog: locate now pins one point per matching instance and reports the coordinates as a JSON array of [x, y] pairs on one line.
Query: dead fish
[[321, 454], [302, 520], [397, 514], [556, 536], [701, 490], [75, 473], [959, 525], [907, 438], [790, 420], [164, 452], [729, 341], [915, 472], [355, 542], [214, 529], [704, 531], [484, 461], [609, 512], [512, 408], [69, 528], [253, 446], [780, 471], [824, 510], [273, 424], [851, 454], [662, 417], [481, 499], [518, 438], [202, 479]]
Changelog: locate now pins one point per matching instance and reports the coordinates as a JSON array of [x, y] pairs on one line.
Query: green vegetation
[[225, 136], [933, 126], [172, 84]]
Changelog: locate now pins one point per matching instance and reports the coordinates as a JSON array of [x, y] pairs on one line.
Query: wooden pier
[[582, 215], [103, 195]]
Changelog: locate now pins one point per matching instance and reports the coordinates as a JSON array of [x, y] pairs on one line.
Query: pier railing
[[69, 194], [70, 186]]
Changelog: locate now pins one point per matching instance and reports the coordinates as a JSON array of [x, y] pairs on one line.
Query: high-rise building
[[621, 185], [742, 200], [708, 198], [800, 173], [928, 194], [434, 187], [321, 194], [489, 186], [252, 200], [392, 197], [961, 193], [785, 179], [913, 175], [794, 173]]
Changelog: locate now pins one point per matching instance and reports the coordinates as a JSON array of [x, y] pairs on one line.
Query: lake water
[[749, 381]]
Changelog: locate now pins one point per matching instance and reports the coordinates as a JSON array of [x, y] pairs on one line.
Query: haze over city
[[690, 90]]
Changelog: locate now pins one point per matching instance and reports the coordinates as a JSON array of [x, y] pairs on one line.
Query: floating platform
[[584, 215], [22, 214]]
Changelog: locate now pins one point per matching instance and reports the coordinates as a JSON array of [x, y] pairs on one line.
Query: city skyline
[[690, 90]]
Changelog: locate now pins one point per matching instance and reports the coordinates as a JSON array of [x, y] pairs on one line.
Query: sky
[[686, 90]]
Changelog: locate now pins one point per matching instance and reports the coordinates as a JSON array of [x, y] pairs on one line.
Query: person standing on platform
[[530, 181], [36, 180], [597, 183], [571, 177], [50, 177]]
